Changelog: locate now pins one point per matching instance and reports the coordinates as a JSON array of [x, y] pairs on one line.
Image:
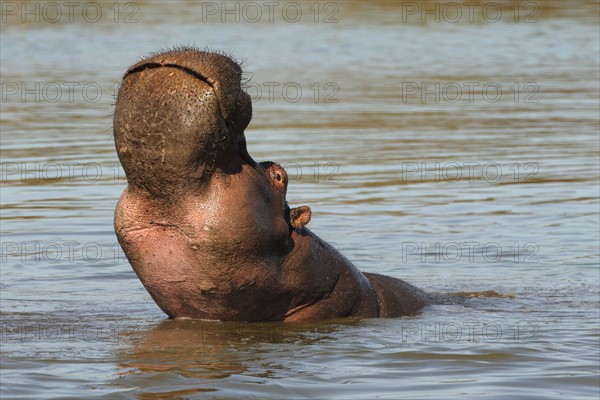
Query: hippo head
[[179, 126], [206, 228], [179, 120]]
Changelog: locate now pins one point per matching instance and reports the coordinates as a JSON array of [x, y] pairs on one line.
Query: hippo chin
[[206, 228]]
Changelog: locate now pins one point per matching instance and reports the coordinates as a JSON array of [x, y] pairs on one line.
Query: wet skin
[[206, 228]]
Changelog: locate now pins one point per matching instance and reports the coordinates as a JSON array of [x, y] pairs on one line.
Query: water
[[486, 182]]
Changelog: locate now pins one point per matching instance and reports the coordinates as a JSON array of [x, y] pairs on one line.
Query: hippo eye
[[278, 177]]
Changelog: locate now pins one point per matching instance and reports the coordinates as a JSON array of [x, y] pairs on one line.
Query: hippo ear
[[300, 216]]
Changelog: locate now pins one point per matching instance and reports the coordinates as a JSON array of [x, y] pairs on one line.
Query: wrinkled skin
[[206, 228]]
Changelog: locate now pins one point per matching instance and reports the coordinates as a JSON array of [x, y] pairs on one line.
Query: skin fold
[[207, 229]]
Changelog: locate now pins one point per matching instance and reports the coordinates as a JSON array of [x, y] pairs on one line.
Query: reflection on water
[[214, 350], [459, 155]]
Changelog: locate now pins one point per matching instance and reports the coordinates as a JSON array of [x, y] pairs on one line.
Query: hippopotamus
[[207, 229]]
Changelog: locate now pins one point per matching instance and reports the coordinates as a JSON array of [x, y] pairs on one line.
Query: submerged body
[[206, 228]]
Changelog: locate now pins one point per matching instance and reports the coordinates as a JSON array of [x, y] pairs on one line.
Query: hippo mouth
[[243, 151], [199, 73], [179, 117]]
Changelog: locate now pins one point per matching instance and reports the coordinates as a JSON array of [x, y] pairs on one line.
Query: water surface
[[461, 156]]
